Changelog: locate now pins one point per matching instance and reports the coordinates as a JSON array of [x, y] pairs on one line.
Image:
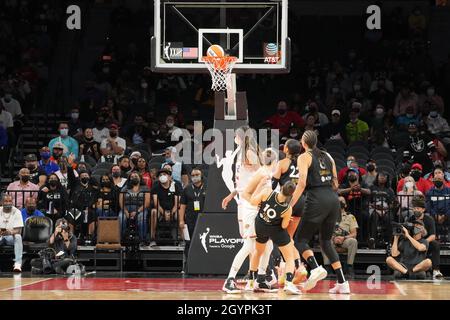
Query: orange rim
[[219, 63]]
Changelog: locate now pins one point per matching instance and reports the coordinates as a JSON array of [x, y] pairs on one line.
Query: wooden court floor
[[22, 287]]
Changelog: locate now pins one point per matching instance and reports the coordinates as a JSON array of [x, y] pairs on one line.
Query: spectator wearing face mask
[[171, 127], [75, 125], [351, 163], [165, 195], [406, 98], [381, 93], [114, 146], [30, 209], [422, 184], [434, 250], [436, 123], [179, 170], [88, 146], [83, 197], [134, 201], [284, 118], [100, 132], [66, 174], [108, 198], [192, 204], [335, 130], [372, 173], [144, 172], [134, 157], [48, 165], [419, 149], [404, 120], [356, 194], [22, 188], [431, 98], [438, 165], [69, 143], [12, 105], [11, 225], [406, 194], [438, 199], [117, 178], [356, 129], [37, 174], [417, 22], [6, 118], [53, 198]]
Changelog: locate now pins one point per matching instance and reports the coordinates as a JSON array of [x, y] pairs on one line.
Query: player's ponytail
[[294, 149]]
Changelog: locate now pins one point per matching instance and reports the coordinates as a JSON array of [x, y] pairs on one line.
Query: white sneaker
[[316, 275], [250, 285], [274, 280], [290, 288], [437, 275], [343, 288], [17, 267]]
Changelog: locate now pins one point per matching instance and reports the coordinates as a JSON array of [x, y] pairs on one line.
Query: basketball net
[[220, 69]]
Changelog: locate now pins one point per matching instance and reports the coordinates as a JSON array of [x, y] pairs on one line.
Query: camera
[[397, 228]]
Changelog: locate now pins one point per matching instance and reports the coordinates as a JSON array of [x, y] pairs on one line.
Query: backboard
[[256, 32]]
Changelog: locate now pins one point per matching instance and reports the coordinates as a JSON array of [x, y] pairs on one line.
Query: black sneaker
[[421, 275], [264, 287], [230, 286]]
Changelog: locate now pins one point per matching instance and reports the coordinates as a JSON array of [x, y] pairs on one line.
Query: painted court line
[[24, 285]]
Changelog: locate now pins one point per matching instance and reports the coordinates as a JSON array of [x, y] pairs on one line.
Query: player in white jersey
[[247, 164]]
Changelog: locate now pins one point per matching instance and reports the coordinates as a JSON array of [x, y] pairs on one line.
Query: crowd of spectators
[[114, 156]]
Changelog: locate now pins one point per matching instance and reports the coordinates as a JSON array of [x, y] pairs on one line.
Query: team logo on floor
[[217, 241]]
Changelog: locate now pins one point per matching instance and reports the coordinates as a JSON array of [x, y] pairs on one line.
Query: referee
[[192, 201]]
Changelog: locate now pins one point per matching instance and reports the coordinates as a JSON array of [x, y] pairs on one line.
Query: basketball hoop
[[220, 69]]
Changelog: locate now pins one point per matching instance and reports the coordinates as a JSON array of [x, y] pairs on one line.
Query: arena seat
[[108, 245], [382, 156], [357, 149], [36, 232], [335, 149]]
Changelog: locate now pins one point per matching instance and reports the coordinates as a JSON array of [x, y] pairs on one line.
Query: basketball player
[[247, 164], [287, 171], [269, 158], [317, 176], [271, 222]]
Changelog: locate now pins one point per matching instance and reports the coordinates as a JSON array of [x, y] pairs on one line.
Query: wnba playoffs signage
[[215, 242]]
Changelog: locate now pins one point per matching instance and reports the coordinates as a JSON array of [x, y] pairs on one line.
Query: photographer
[[409, 252], [344, 238], [64, 245], [434, 249]]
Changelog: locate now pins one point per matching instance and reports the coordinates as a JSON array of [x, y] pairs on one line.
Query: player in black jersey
[[271, 222], [287, 171], [318, 178]]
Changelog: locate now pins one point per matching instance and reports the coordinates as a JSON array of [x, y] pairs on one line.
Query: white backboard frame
[[158, 65]]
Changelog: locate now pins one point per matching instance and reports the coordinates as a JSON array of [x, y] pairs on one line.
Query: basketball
[[215, 51]]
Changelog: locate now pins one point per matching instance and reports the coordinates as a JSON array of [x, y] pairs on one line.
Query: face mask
[[430, 92], [31, 167], [379, 111], [416, 175], [438, 183], [293, 135], [354, 120], [135, 161], [410, 115], [134, 181], [163, 179], [56, 156], [370, 167], [45, 155], [174, 111], [113, 134], [409, 185], [433, 114], [417, 214], [105, 184], [75, 115], [343, 205], [144, 85], [84, 180], [349, 163], [282, 111], [64, 132], [25, 178], [31, 209], [7, 207], [196, 179], [352, 178], [53, 183], [116, 174], [169, 124]]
